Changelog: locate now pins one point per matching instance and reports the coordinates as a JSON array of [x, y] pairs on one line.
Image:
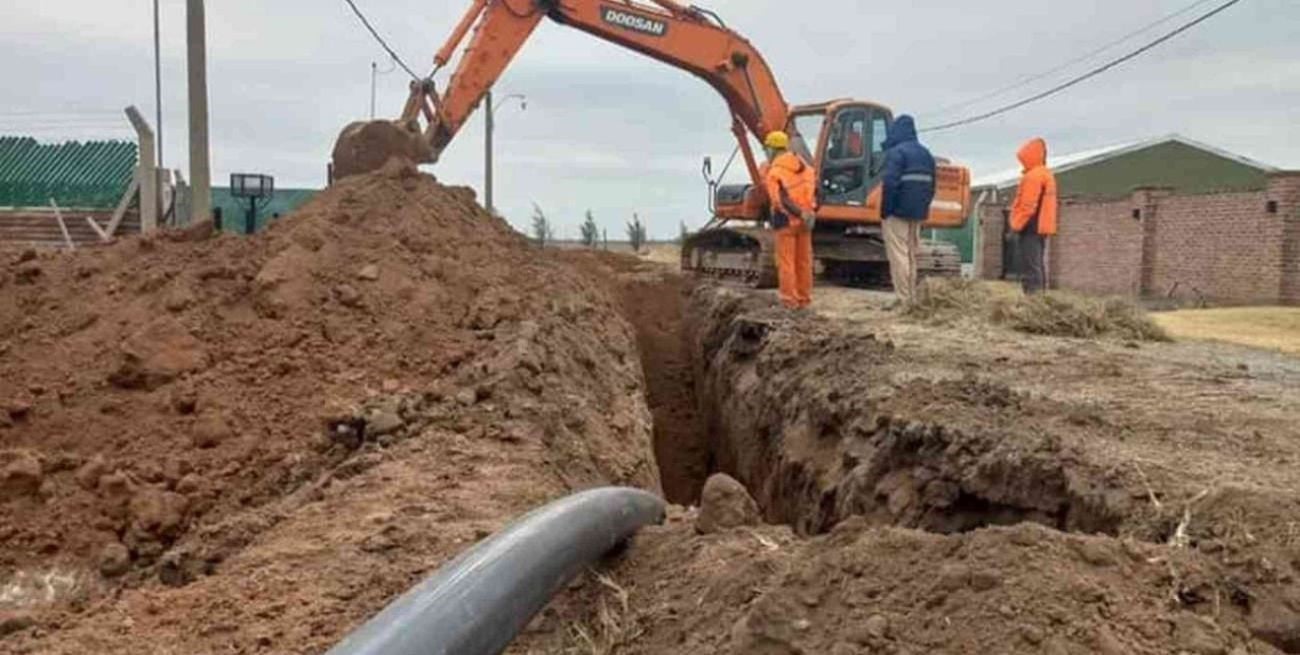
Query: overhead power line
[[63, 119], [1047, 73], [27, 113], [380, 39], [1084, 77]]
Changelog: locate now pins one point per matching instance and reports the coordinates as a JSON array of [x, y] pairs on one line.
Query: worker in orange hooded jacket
[[791, 185], [1033, 214]]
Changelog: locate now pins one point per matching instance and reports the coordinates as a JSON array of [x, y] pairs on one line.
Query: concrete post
[[200, 172], [147, 171]]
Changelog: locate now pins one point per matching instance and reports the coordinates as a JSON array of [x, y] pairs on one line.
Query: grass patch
[[1273, 328], [1055, 313]]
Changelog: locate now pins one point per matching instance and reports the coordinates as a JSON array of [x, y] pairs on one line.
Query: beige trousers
[[902, 244]]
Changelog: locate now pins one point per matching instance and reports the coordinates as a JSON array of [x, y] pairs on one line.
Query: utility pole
[[200, 173], [488, 128], [157, 80], [374, 73], [487, 156]]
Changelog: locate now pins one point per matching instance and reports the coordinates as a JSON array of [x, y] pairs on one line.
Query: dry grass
[[950, 298], [1071, 315], [1274, 328], [614, 625], [663, 253], [1055, 313]]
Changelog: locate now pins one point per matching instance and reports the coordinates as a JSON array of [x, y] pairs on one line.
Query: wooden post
[[103, 236], [63, 227], [125, 203]]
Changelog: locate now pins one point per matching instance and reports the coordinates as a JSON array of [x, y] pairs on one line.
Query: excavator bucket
[[366, 146]]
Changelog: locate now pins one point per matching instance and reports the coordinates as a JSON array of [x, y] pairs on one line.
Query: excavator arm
[[688, 38]]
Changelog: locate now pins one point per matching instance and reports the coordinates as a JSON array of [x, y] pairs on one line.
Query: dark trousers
[[1033, 268]]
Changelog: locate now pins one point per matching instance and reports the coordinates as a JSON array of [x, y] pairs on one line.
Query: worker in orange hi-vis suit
[[1033, 214], [791, 185]]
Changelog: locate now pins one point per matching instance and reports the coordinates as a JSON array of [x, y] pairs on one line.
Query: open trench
[[795, 411], [822, 422]]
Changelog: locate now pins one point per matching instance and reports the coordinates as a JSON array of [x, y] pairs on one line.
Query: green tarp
[[91, 175], [234, 211]]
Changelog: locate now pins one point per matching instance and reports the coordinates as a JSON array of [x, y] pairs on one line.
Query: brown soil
[[1142, 512], [218, 444], [248, 445]]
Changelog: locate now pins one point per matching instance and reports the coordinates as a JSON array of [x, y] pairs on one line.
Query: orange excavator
[[842, 138]]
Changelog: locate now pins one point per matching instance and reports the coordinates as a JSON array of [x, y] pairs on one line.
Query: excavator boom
[[684, 37]]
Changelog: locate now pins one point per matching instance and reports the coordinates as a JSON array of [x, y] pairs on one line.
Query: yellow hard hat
[[777, 140]]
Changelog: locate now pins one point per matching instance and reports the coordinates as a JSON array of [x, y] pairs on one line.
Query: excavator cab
[[844, 140], [850, 151]]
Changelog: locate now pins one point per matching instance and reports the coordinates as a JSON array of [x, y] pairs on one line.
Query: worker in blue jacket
[[908, 185]]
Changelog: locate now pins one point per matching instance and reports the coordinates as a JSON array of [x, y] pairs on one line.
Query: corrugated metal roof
[[1011, 177], [91, 175]]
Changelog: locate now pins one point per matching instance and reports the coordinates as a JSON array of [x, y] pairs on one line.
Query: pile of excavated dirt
[[230, 444]]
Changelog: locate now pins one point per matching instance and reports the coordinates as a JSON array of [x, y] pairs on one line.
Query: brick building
[[1170, 223]]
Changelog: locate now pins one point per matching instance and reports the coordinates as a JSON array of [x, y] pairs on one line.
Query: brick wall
[[1284, 189], [1098, 248], [1222, 247], [1226, 248]]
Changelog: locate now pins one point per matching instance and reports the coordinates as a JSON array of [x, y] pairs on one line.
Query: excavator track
[[745, 255], [859, 259]]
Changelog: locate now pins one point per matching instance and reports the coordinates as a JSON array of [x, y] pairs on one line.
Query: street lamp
[[487, 138]]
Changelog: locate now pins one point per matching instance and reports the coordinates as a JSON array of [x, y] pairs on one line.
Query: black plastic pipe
[[477, 603]]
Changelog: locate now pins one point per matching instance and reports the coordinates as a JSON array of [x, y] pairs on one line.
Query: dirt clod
[[1276, 620], [725, 504], [21, 476], [347, 295], [11, 622], [114, 560], [89, 474], [383, 420], [368, 273], [210, 431]]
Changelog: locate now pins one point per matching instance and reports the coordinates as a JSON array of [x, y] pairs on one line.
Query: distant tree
[[605, 236], [685, 232], [590, 233], [636, 233], [541, 227]]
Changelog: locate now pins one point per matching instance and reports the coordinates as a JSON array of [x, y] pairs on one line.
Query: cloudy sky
[[616, 133]]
